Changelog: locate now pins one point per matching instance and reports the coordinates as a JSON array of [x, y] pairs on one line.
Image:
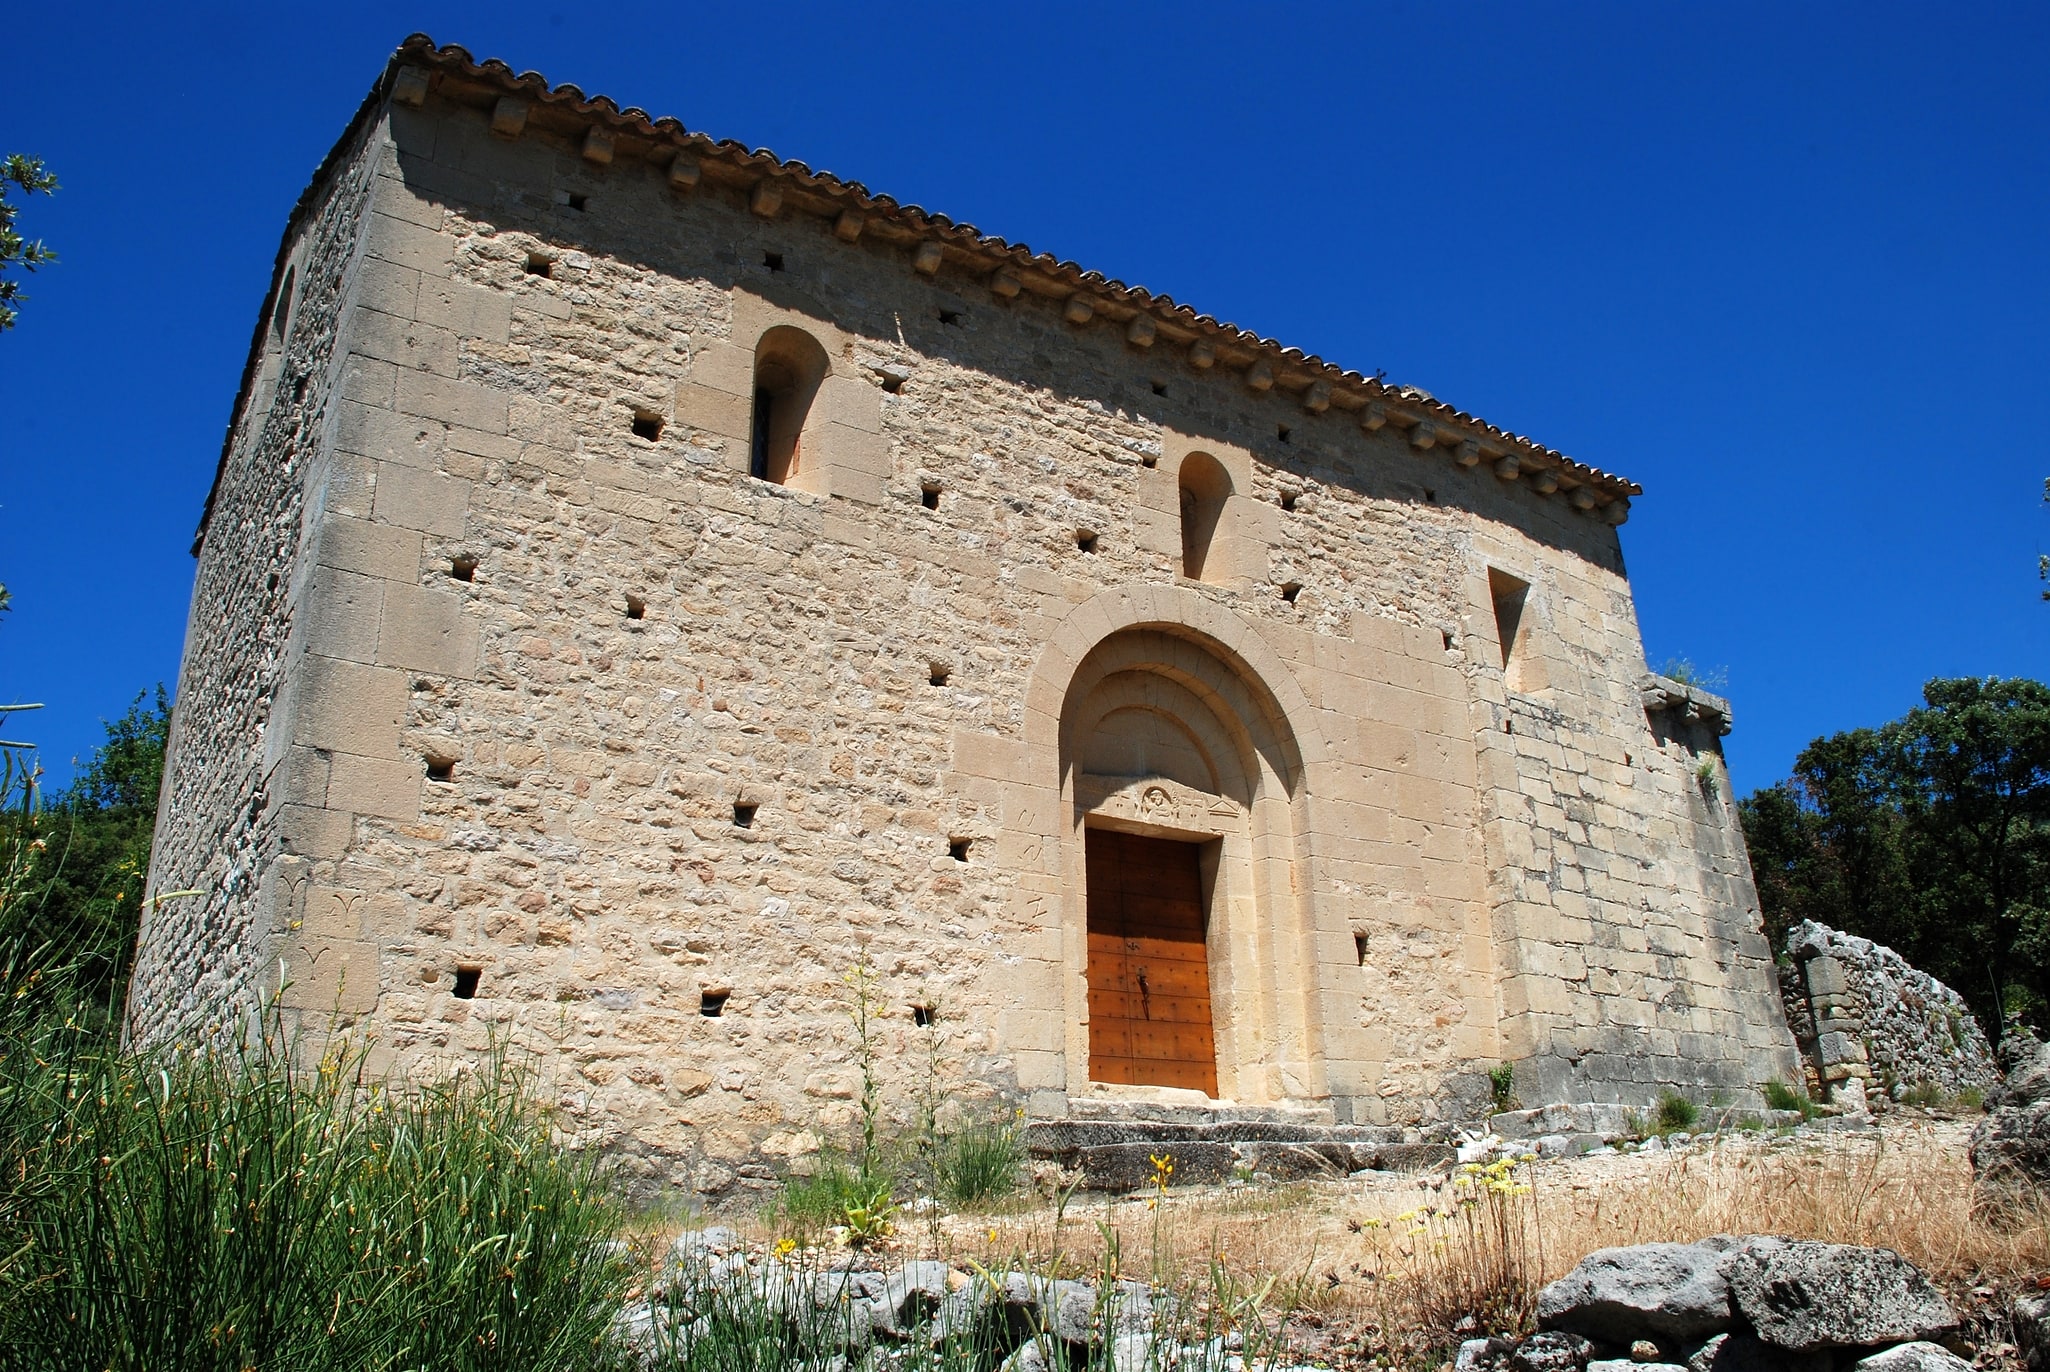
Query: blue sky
[[1786, 265]]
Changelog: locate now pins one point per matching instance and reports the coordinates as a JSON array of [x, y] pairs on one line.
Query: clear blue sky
[[1786, 265]]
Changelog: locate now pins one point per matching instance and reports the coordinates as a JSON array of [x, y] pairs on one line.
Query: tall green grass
[[243, 1208]]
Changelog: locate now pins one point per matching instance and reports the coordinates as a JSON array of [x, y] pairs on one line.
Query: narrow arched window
[[789, 366], [1205, 489]]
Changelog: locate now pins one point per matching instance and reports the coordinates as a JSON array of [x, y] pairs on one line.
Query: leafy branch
[[28, 175]]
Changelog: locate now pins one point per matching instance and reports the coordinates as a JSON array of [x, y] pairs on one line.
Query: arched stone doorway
[[1191, 951]]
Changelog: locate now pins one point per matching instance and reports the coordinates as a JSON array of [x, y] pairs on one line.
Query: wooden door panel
[[1149, 964]]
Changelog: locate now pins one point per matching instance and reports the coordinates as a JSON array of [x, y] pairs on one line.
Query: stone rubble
[[1016, 1321], [1751, 1303], [2011, 1147]]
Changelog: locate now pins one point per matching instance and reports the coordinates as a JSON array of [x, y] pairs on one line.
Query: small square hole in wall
[[1085, 539], [636, 608], [463, 567], [578, 201], [299, 387], [1288, 500], [957, 849], [1150, 460], [440, 768], [929, 495], [1281, 431], [939, 675], [1627, 760], [773, 261], [923, 1015], [892, 379], [744, 815], [1447, 635], [646, 425], [1290, 590], [465, 987], [1430, 496], [951, 318], [1160, 388], [712, 1002], [540, 264], [1359, 948]]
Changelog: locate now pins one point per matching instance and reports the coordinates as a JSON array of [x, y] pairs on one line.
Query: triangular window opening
[[1509, 595]]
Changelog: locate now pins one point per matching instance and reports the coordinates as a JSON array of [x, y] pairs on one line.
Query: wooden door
[[1149, 966]]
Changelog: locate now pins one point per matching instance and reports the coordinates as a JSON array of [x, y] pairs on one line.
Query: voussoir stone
[[1804, 1296], [1652, 1290]]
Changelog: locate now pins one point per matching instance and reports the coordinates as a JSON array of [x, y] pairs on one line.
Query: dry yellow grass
[[1345, 1249]]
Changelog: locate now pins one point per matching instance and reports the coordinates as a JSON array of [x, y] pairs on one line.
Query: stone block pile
[[1732, 1304], [838, 1315]]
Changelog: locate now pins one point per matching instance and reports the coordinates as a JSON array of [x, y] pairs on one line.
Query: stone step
[[1054, 1138], [1206, 1147], [1084, 1108]]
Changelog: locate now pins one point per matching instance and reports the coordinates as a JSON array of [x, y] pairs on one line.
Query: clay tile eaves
[[1414, 406]]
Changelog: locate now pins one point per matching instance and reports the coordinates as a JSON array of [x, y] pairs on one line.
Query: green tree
[[84, 894], [29, 176], [1930, 834]]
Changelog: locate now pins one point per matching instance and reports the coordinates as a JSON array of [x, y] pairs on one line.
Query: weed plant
[[1674, 1113], [980, 1164], [1471, 1255], [1780, 1096], [239, 1207]]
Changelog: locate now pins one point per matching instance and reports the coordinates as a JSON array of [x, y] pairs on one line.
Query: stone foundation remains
[[646, 580]]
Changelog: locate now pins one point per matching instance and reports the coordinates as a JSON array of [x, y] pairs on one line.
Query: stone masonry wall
[[219, 827], [1865, 1018], [679, 736]]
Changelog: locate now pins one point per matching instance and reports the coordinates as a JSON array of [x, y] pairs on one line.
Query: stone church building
[[646, 580]]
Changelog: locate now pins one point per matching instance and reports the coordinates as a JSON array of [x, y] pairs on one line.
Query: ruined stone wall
[[1867, 1019], [218, 829], [598, 731]]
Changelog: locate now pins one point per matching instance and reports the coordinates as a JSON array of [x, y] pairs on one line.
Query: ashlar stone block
[[425, 630], [349, 707]]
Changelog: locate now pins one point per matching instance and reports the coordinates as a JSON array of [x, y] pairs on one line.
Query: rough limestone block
[[387, 788], [452, 402], [1825, 976], [405, 343], [716, 412], [329, 977], [388, 437], [1838, 1048], [347, 707], [375, 550], [470, 312], [311, 831], [423, 500], [426, 631], [342, 613], [1806, 1296], [404, 244]]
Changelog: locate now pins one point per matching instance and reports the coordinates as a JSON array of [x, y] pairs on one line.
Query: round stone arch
[[1161, 714]]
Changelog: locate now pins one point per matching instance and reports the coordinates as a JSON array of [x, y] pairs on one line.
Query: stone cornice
[[604, 133], [1689, 702]]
